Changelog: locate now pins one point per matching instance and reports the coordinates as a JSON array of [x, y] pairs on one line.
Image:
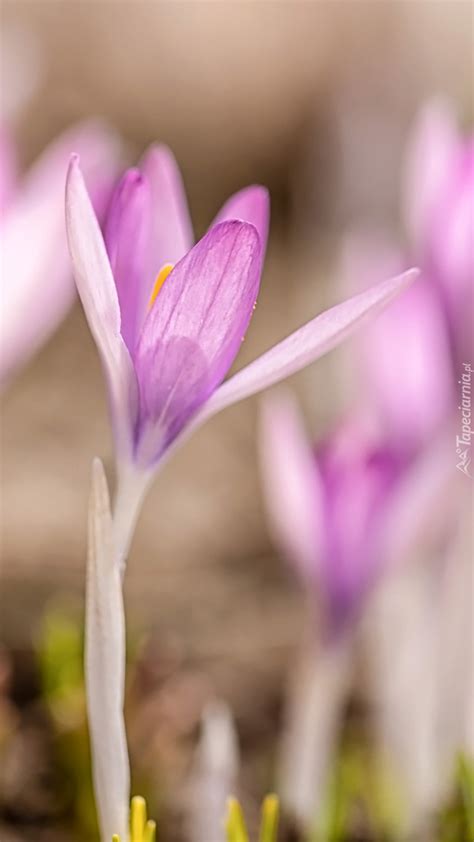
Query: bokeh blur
[[315, 100]]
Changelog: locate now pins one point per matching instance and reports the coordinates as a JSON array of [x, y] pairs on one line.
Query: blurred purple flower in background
[[327, 507], [37, 283], [165, 360], [348, 515]]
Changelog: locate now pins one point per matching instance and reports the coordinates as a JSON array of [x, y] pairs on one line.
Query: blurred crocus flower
[[169, 317], [345, 511], [327, 507], [345, 515], [37, 283]]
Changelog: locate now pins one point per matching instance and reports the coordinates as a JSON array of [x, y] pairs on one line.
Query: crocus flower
[[168, 317], [37, 284]]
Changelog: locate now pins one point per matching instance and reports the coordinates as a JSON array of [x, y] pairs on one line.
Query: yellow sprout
[[235, 823], [141, 828]]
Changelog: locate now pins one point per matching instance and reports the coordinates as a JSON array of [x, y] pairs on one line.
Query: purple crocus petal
[[252, 204], [193, 332], [431, 154], [96, 287], [293, 493], [172, 234], [359, 478], [305, 345], [127, 237], [37, 285]]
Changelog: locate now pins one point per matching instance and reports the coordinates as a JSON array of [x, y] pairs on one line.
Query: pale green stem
[[132, 486]]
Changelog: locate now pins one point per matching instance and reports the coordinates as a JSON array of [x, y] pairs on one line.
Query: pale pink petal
[[37, 284], [96, 287], [172, 234], [293, 494]]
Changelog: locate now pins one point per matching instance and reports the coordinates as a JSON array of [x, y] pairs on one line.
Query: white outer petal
[[96, 287], [105, 666]]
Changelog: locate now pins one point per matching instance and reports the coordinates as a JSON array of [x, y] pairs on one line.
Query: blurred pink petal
[[452, 251], [293, 493], [37, 285], [405, 354], [439, 213], [432, 152]]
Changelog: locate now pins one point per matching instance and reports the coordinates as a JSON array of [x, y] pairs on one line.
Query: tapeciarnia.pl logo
[[463, 441]]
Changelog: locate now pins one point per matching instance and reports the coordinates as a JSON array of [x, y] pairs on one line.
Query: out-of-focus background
[[314, 100]]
